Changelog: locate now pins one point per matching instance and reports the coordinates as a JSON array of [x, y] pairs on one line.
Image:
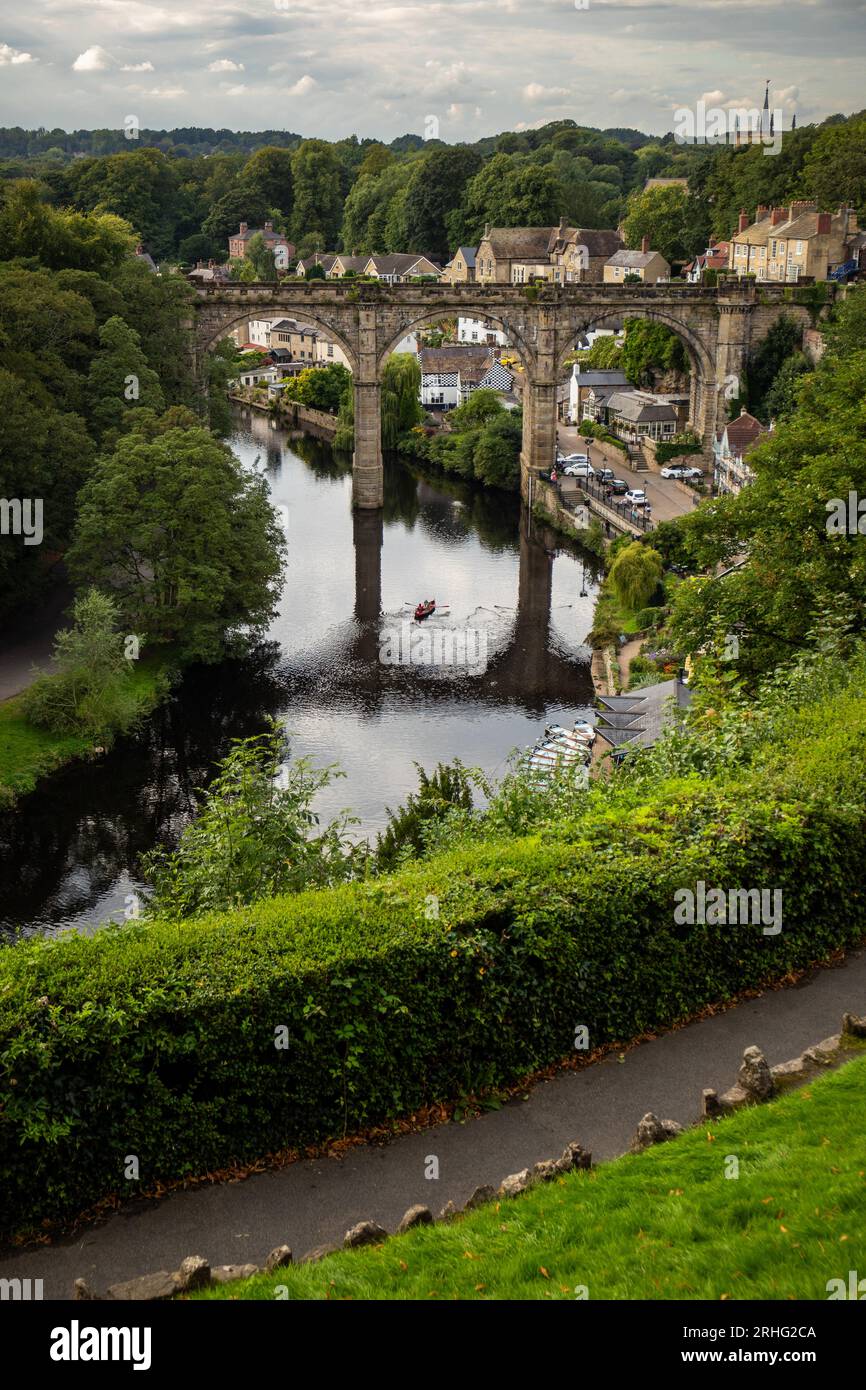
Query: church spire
[[794, 121]]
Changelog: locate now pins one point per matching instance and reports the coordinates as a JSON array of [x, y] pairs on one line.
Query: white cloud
[[534, 91], [137, 67], [13, 57], [92, 60], [235, 91], [225, 65], [303, 85], [166, 92]]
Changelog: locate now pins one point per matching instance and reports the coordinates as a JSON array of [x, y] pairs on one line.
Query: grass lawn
[[28, 753], [666, 1224]]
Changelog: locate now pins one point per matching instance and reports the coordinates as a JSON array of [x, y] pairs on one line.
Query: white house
[[480, 331], [260, 332], [449, 375]]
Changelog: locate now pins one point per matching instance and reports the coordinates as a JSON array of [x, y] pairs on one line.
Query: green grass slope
[[665, 1224]]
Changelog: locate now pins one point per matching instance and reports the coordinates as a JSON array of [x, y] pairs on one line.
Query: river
[[336, 668]]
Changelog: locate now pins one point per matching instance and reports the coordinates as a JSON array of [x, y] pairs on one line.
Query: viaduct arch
[[719, 325]]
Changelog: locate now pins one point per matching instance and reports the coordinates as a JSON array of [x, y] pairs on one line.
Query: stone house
[[562, 254], [461, 268], [788, 243], [649, 266], [398, 267], [241, 239]]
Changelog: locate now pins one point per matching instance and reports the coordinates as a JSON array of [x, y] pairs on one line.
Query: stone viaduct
[[719, 326]]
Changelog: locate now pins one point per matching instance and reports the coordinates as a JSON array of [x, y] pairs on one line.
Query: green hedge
[[158, 1040], [672, 450]]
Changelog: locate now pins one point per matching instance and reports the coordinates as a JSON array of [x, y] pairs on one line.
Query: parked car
[[604, 475], [575, 458], [618, 486], [679, 470], [579, 470], [636, 497]]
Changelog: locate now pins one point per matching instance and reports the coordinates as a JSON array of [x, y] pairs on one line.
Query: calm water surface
[[69, 853]]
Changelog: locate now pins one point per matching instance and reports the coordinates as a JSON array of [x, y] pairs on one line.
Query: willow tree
[[401, 404], [635, 574]]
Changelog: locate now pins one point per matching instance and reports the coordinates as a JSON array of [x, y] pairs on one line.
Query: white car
[[679, 470], [636, 497], [579, 469]]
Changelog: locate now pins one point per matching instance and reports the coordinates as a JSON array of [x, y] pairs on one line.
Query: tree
[[800, 566], [765, 363], [142, 187], [478, 409], [321, 388], [261, 258], [185, 540], [508, 192], [267, 177], [240, 204], [782, 397], [835, 167], [119, 378], [448, 789], [91, 691], [318, 205], [678, 226], [635, 574], [650, 349], [435, 188], [401, 407], [496, 460], [60, 239], [253, 837]]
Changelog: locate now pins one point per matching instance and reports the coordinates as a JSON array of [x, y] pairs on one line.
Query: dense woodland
[[184, 191]]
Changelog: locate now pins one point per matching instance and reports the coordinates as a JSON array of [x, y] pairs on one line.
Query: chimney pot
[[778, 215], [269, 226]]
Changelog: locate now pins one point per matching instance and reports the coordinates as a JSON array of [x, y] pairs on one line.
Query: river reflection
[[69, 853]]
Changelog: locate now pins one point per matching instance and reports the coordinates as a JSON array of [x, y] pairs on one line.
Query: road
[[666, 499], [315, 1202]]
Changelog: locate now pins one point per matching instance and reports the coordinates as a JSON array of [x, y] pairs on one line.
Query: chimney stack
[[823, 224], [644, 244], [761, 211], [743, 220], [778, 215], [269, 226], [243, 229]]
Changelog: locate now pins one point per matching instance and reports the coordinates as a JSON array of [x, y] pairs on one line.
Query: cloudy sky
[[381, 69]]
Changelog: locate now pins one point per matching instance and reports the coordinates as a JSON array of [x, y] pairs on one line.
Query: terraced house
[[562, 254], [789, 243]]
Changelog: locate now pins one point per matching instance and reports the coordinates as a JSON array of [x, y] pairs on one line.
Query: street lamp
[[583, 589]]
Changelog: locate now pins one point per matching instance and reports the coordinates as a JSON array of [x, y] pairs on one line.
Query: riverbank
[[28, 753]]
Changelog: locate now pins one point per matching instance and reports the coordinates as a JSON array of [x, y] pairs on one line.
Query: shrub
[[91, 693], [195, 1044]]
